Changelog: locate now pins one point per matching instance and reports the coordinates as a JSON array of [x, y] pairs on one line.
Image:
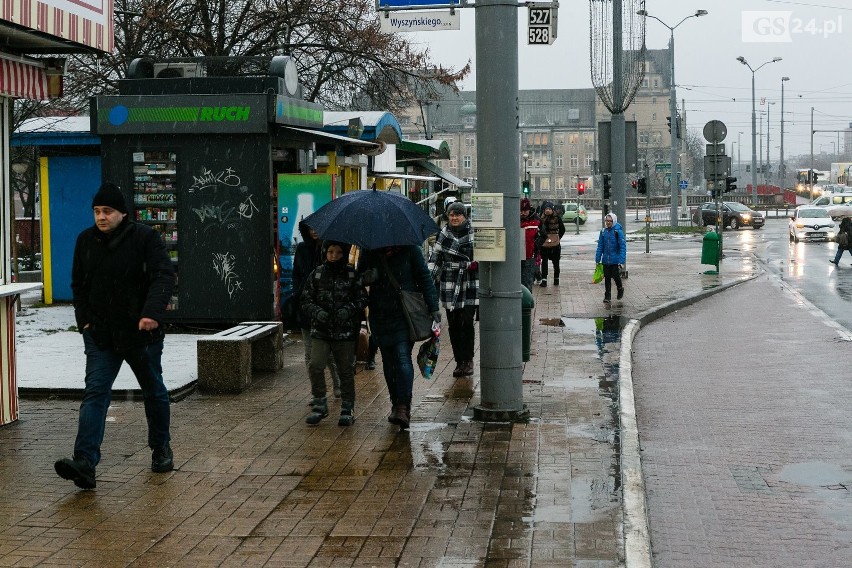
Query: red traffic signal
[[581, 188], [633, 184]]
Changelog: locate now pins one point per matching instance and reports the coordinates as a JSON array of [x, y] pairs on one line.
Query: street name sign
[[431, 21], [662, 167]]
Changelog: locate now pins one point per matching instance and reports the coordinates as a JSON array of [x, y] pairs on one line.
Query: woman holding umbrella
[[457, 275], [387, 320]]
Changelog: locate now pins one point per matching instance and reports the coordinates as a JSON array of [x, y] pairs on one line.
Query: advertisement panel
[[299, 195]]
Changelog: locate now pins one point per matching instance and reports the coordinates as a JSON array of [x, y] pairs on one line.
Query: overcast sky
[[816, 51]]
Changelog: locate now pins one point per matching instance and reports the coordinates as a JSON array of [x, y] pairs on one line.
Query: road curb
[[637, 537]]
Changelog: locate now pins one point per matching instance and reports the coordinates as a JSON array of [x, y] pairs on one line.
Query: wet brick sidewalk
[[255, 486]]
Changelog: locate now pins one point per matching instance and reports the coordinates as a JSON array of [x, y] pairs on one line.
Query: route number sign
[[541, 24]]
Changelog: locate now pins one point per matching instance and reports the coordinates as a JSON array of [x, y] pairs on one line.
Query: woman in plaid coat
[[456, 275]]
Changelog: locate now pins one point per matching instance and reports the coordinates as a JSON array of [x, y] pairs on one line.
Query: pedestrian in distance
[[122, 281], [551, 231], [456, 275], [844, 240], [388, 322], [307, 256], [612, 253], [530, 225], [334, 300]]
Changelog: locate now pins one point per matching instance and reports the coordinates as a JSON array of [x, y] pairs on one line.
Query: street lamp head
[[701, 13], [742, 60], [526, 156], [642, 12], [776, 59], [785, 78]]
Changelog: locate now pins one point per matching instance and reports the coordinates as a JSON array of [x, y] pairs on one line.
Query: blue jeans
[[839, 253], [399, 371], [102, 366]]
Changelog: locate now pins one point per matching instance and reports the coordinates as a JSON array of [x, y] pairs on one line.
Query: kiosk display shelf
[[155, 200]]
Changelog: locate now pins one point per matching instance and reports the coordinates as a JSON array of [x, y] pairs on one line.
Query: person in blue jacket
[[612, 253]]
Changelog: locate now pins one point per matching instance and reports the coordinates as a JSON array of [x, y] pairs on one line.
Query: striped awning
[[22, 80]]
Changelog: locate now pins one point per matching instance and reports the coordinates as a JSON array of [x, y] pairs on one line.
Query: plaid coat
[[457, 286]]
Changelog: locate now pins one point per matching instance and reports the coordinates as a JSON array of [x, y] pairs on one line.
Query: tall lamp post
[[782, 170], [742, 60], [739, 152], [673, 108]]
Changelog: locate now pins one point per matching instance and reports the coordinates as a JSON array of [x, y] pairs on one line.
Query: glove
[[342, 314], [370, 276], [322, 316], [473, 266], [436, 316]]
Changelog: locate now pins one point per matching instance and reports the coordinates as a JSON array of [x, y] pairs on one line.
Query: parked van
[[836, 195]]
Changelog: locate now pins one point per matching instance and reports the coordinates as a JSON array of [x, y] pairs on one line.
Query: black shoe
[[606, 300], [544, 283], [556, 281], [620, 294], [162, 459], [77, 470], [319, 410], [370, 365], [834, 262]]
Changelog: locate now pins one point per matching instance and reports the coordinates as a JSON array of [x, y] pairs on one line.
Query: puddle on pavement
[[816, 474]]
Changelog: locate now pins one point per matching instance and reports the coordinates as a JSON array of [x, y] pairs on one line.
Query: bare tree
[[340, 52]]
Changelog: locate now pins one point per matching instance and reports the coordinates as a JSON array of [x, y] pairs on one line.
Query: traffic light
[[607, 186], [581, 188], [669, 123], [730, 184], [642, 186], [525, 186]]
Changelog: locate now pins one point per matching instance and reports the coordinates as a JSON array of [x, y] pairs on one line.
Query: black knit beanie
[[457, 207], [109, 195]]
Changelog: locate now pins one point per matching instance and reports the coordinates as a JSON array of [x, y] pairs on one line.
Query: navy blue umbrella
[[372, 219]]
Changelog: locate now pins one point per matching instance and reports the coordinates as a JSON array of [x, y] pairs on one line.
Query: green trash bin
[[527, 304], [710, 248]]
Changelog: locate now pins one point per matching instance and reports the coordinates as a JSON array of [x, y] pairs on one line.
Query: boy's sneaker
[[556, 281], [162, 459], [77, 470], [544, 283], [620, 294], [319, 410], [347, 417]]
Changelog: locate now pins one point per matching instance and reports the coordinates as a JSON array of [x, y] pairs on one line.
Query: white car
[[812, 223]]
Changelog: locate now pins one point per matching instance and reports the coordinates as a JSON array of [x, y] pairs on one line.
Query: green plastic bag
[[598, 275]]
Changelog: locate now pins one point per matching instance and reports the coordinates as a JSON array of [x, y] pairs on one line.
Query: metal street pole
[[810, 179], [675, 139], [782, 171], [500, 295], [739, 153]]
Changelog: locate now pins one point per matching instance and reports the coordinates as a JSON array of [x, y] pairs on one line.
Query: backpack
[[843, 239]]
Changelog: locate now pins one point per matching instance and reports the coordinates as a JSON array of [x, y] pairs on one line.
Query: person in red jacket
[[530, 224]]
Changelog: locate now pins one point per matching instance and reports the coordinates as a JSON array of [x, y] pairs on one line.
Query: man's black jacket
[[118, 278]]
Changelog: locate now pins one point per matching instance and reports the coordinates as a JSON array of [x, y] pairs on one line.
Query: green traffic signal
[[525, 187]]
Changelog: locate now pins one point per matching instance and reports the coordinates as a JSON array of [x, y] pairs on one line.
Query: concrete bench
[[226, 359]]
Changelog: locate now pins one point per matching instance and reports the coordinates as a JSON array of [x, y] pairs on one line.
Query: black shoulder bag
[[414, 307]]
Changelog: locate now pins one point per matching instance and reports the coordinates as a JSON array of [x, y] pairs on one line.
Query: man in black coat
[[122, 280]]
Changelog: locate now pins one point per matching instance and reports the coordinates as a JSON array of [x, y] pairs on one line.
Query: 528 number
[[539, 35]]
